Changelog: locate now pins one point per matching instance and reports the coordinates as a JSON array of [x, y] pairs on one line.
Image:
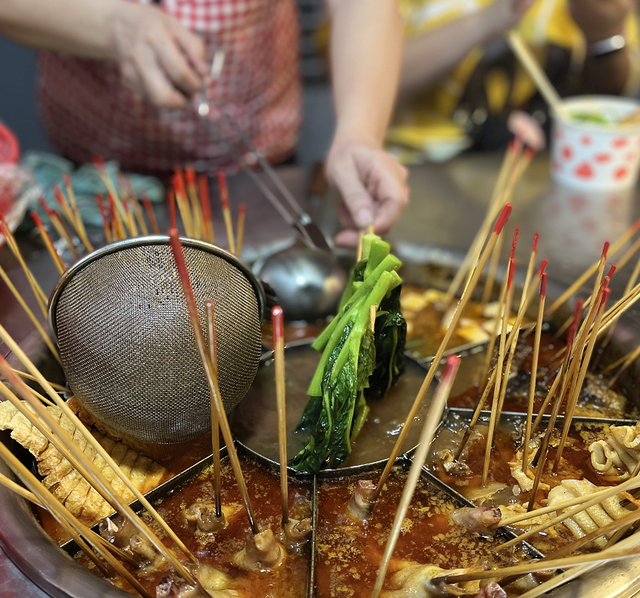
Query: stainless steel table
[[447, 204]]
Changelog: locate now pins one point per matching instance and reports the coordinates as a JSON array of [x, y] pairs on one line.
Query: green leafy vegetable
[[362, 356]]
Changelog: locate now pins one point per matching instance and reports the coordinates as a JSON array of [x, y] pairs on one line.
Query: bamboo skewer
[[28, 364], [57, 224], [27, 310], [484, 372], [242, 210], [534, 70], [513, 341], [211, 375], [534, 369], [48, 243], [277, 325], [577, 386], [71, 215], [112, 192], [226, 212], [196, 212], [499, 382], [628, 360], [184, 206], [118, 231], [130, 220], [613, 249], [426, 437], [63, 231], [205, 205], [475, 248], [622, 305], [105, 221], [137, 209], [171, 196], [502, 376], [69, 522], [148, 208], [541, 455], [38, 293], [476, 413], [630, 284], [76, 214], [466, 295], [491, 276], [608, 555], [550, 395], [215, 425]]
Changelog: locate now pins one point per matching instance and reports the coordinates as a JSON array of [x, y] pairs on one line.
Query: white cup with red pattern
[[591, 150]]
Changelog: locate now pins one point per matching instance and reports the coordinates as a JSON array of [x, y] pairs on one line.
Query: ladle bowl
[[308, 283]]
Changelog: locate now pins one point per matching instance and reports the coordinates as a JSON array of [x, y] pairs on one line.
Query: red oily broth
[[349, 550]]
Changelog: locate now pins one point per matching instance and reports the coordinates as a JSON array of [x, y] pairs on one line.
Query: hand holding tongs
[[311, 235]]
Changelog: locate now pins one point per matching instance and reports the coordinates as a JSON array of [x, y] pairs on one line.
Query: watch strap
[[606, 46]]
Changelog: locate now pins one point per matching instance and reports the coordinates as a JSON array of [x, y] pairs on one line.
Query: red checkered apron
[[86, 110]]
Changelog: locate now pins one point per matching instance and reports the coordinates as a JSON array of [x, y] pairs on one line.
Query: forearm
[[366, 48], [429, 56], [72, 26]]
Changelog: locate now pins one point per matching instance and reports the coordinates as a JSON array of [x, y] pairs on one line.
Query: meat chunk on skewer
[[477, 519], [618, 455], [361, 504], [203, 516], [213, 581], [261, 552], [416, 581]]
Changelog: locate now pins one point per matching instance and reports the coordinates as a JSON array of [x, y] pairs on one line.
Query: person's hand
[[372, 185], [600, 19], [159, 59]]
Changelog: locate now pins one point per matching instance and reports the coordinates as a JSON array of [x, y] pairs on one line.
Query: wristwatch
[[606, 46]]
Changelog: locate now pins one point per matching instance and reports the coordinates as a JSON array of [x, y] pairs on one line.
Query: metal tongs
[[294, 215]]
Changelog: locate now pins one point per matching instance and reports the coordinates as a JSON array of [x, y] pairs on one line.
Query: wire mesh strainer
[[126, 342]]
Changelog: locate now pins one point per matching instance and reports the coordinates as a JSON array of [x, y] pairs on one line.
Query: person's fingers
[[347, 238], [192, 46], [344, 215], [131, 78], [159, 91], [346, 179], [392, 196], [173, 62]]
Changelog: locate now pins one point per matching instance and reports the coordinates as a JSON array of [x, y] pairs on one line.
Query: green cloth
[[48, 170]]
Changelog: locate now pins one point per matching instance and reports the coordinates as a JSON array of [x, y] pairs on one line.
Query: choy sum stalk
[[360, 358]]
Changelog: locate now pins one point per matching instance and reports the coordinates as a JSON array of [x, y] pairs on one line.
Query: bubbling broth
[[254, 422]]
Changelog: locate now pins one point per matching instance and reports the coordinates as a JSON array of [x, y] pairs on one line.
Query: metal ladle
[[306, 277]]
